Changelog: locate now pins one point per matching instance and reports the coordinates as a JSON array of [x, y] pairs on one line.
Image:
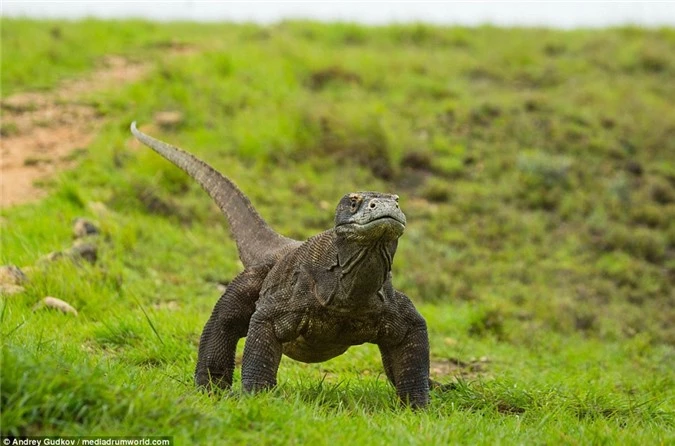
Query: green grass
[[536, 169]]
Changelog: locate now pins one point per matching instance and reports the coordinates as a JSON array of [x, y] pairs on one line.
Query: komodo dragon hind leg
[[228, 323]]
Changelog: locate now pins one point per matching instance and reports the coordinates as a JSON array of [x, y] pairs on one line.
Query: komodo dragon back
[[256, 240]]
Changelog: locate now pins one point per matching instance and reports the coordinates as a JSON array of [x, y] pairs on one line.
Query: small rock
[[84, 250], [83, 227], [169, 119], [11, 275], [8, 290], [57, 304], [80, 250]]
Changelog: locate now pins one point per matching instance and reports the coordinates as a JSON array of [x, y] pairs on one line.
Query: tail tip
[[133, 127]]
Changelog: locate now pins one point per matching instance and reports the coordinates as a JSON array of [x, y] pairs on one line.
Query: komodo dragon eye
[[356, 200]]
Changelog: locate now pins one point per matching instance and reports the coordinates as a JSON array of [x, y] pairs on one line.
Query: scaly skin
[[309, 300]]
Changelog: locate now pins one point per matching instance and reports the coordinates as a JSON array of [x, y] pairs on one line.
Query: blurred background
[[565, 14]]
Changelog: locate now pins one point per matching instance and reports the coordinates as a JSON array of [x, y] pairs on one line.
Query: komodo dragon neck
[[364, 269], [367, 228]]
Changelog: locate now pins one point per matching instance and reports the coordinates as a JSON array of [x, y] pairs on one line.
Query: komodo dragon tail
[[256, 240]]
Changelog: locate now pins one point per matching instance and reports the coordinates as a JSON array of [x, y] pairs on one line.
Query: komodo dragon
[[309, 300]]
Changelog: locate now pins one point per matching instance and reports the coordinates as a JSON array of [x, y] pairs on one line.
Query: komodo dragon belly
[[328, 335]]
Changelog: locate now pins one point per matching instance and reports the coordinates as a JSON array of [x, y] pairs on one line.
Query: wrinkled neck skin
[[364, 265]]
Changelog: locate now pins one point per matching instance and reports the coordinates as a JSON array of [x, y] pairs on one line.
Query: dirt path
[[41, 131]]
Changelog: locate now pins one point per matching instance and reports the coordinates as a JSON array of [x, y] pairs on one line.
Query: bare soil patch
[[444, 367], [41, 130]]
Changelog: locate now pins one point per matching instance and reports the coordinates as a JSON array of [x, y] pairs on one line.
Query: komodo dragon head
[[368, 216]]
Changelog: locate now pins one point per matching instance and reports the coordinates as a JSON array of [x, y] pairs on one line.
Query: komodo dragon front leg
[[406, 362], [228, 323], [262, 355]]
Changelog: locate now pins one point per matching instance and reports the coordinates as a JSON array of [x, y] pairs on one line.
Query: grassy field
[[536, 169]]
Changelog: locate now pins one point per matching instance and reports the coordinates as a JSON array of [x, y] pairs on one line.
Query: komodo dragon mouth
[[382, 227], [384, 219]]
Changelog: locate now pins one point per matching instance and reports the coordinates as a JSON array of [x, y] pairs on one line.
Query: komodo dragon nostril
[[373, 205]]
